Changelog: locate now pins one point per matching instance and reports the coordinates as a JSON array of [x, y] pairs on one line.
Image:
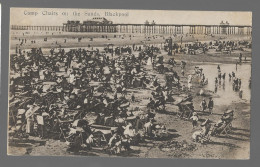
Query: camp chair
[[186, 110], [100, 138], [64, 129], [227, 129]]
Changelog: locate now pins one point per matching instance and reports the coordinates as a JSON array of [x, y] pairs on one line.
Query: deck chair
[[186, 111], [227, 129]]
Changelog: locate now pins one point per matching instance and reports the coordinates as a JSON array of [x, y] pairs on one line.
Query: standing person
[[148, 128], [138, 124], [239, 83], [240, 57], [194, 119], [219, 75], [115, 95], [218, 68], [182, 72], [203, 105], [133, 97], [203, 79], [12, 86], [233, 74], [210, 105], [224, 76], [240, 93], [69, 59], [230, 76], [29, 119], [216, 81], [216, 88], [190, 82]]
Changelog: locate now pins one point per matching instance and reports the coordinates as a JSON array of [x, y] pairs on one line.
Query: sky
[[58, 16]]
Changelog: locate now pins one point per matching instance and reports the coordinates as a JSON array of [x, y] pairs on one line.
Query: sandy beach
[[179, 144]]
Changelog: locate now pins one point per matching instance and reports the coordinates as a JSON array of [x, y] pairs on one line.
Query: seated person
[[228, 116], [218, 127], [199, 136]]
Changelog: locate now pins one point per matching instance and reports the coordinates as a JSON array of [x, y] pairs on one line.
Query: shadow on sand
[[233, 138], [239, 129], [25, 142], [224, 144]]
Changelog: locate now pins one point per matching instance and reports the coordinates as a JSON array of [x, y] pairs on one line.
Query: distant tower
[[224, 27]]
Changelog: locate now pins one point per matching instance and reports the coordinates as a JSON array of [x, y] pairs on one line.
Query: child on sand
[[194, 119]]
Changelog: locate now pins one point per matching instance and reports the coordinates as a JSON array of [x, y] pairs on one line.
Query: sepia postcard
[[129, 83]]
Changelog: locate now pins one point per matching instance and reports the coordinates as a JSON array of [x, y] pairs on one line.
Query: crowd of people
[[66, 86], [88, 96], [224, 125]]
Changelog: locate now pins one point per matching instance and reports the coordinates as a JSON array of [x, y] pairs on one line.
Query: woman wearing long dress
[[29, 120], [149, 61], [129, 130]]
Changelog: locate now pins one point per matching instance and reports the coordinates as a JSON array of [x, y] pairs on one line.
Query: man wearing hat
[[210, 105], [203, 105], [228, 116], [218, 127], [199, 136], [205, 127]]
